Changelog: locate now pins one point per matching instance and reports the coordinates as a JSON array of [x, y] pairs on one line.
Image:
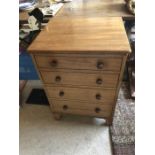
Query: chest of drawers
[[81, 62]]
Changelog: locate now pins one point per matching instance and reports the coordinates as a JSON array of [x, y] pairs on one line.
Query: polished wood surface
[[82, 34], [96, 8], [90, 8], [78, 61]]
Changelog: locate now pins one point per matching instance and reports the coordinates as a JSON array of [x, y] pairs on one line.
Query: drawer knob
[[100, 65], [98, 96], [54, 63], [97, 110], [65, 107], [99, 81], [57, 78], [61, 93]]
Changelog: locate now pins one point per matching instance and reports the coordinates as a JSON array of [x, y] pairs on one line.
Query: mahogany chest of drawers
[[81, 62]]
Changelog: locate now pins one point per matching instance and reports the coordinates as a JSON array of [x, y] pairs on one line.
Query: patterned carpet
[[123, 128]]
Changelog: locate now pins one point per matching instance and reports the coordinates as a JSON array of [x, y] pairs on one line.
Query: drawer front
[[80, 79], [82, 94], [75, 107], [84, 63]]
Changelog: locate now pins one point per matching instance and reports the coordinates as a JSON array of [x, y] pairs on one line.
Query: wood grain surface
[[90, 8], [82, 34], [96, 8]]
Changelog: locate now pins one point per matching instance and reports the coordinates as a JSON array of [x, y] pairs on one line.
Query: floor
[[40, 134]]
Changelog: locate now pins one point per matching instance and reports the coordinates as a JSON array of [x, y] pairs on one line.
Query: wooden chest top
[[82, 34]]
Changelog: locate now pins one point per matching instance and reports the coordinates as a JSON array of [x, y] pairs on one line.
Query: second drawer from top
[[106, 80]]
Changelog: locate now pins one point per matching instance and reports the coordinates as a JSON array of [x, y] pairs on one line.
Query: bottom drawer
[[81, 108]]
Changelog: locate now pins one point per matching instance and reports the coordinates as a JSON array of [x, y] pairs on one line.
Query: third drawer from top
[[100, 96]]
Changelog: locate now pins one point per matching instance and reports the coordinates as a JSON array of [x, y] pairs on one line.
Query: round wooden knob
[[65, 107], [57, 78], [97, 110], [98, 96], [100, 65], [99, 81], [54, 63], [61, 93]]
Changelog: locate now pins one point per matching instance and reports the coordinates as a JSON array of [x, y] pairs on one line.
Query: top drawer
[[100, 62]]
